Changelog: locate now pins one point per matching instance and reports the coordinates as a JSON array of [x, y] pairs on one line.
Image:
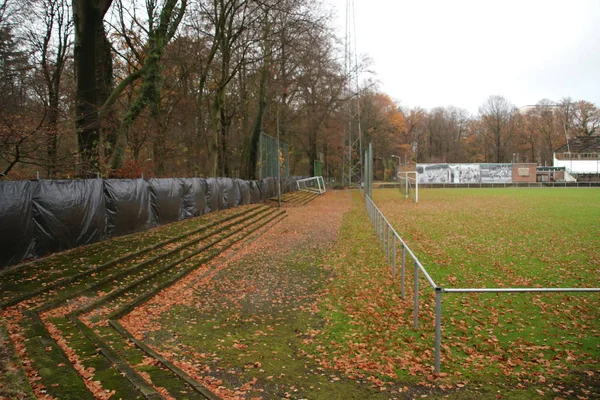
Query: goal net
[[314, 184], [409, 185]]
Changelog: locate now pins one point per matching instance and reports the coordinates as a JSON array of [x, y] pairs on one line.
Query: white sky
[[433, 53]]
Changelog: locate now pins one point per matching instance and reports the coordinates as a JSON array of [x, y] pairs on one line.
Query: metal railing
[[389, 240]]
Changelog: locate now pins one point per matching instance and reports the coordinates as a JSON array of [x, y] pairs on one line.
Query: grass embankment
[[58, 321]]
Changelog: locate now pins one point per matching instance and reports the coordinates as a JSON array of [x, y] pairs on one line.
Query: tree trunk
[[52, 137], [90, 53]]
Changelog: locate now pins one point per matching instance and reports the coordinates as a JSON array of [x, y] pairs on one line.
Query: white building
[[580, 157]]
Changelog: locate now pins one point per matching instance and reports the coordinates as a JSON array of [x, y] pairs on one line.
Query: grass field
[[509, 238]]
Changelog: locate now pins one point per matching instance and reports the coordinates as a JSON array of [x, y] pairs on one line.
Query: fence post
[[386, 236], [403, 276], [387, 247], [438, 328], [394, 257], [416, 298]]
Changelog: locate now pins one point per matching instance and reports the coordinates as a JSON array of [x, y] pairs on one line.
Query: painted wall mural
[[465, 173], [496, 173]]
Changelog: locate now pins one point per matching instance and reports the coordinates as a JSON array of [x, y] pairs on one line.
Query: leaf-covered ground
[[245, 327], [309, 310]]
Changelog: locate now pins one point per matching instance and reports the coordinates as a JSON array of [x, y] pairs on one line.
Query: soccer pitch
[[474, 238]]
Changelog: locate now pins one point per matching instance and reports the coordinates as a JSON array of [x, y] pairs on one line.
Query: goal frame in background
[[409, 184], [316, 184]]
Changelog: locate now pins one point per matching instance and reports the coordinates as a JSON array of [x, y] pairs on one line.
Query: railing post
[[383, 228], [416, 298], [387, 246], [394, 257], [438, 328], [403, 275]]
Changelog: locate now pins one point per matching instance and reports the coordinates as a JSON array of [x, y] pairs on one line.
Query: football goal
[[409, 184], [314, 184]]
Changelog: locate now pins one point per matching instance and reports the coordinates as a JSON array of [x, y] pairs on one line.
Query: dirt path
[[243, 327]]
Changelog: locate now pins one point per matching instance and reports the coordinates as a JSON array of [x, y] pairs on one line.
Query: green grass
[[510, 238], [13, 381], [476, 238], [253, 322]]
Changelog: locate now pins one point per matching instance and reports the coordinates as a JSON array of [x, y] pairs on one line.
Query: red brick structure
[[524, 173]]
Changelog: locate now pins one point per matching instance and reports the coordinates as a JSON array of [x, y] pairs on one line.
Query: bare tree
[[497, 116], [51, 39], [162, 27]]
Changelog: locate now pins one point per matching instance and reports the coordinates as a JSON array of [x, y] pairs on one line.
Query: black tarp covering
[[128, 206], [254, 192], [267, 188], [16, 223], [40, 217], [68, 214], [213, 196], [166, 196], [230, 193], [194, 197], [244, 188]]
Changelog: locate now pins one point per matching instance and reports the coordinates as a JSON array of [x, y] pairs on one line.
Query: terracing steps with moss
[[82, 310], [298, 198]]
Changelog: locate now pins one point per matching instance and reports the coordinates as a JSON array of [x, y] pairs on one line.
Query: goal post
[[316, 184], [409, 184]]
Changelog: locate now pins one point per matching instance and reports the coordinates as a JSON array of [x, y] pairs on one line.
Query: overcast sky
[[432, 53]]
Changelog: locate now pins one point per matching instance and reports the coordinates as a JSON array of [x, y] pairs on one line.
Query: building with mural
[[486, 173]]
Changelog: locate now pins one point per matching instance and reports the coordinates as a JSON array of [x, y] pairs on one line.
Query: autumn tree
[[416, 120], [586, 118]]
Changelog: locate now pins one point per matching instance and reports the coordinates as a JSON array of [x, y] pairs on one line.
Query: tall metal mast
[[353, 148]]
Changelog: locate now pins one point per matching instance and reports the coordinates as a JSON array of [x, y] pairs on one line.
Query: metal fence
[[270, 157], [390, 240]]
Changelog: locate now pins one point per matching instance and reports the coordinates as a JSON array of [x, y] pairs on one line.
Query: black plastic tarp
[[254, 192], [194, 197], [128, 206], [230, 193], [166, 197], [68, 214], [213, 196], [267, 188], [16, 223], [244, 188], [40, 217]]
